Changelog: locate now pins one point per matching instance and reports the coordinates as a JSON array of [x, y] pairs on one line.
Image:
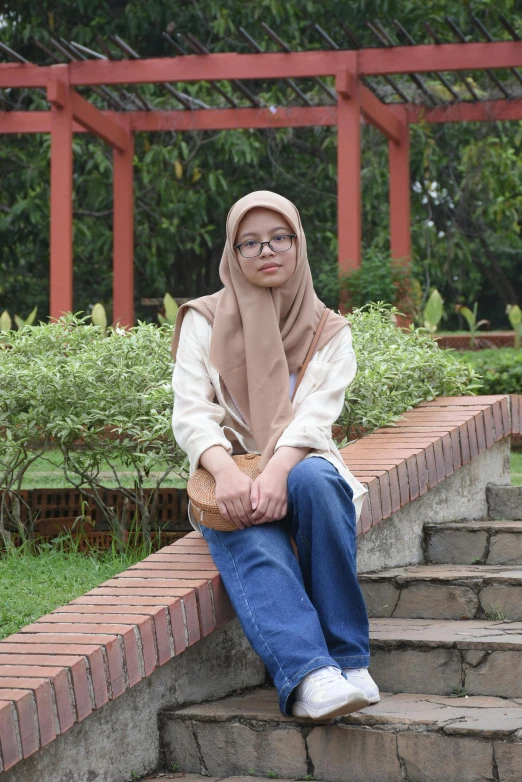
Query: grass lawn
[[46, 473], [33, 584]]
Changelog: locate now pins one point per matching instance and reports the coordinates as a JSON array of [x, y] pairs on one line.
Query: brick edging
[[57, 671], [496, 339], [400, 463]]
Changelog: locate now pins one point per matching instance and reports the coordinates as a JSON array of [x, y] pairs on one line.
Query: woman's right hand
[[233, 489]]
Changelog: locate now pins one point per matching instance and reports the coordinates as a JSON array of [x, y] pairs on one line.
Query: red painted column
[[61, 206], [123, 227], [399, 192], [348, 172]]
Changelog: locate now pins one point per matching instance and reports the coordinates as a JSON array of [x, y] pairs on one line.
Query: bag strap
[[311, 350]]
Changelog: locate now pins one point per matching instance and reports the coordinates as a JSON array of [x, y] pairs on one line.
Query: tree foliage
[[466, 178]]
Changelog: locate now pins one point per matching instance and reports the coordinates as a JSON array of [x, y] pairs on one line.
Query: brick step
[[472, 542], [444, 592], [441, 657], [504, 502], [414, 737]]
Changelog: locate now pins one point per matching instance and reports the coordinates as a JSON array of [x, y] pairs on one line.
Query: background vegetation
[[466, 178], [500, 370], [104, 403]]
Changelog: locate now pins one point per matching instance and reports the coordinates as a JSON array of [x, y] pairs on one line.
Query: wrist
[[283, 460], [224, 468]]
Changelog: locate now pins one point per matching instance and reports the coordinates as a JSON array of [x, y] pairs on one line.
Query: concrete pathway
[[198, 778]]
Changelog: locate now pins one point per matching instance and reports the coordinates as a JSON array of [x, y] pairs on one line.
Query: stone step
[[202, 778], [441, 657], [404, 737], [444, 592], [474, 542], [504, 502]]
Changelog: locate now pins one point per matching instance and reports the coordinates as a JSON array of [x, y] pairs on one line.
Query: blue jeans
[[299, 615]]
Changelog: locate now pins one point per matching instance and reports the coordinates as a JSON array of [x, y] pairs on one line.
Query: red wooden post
[[399, 190], [123, 226], [348, 172], [61, 209]]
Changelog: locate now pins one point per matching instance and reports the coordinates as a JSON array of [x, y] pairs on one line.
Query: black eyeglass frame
[[239, 246]]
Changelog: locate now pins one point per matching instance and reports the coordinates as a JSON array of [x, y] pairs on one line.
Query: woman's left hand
[[269, 495]]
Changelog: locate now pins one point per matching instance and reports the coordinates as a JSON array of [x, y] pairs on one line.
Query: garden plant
[[500, 369], [103, 398]]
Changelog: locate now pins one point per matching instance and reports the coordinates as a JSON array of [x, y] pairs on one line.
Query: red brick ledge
[[400, 463], [57, 671]]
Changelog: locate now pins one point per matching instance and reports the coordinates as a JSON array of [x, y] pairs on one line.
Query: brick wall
[[57, 671]]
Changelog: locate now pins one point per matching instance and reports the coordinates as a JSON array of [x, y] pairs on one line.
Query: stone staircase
[[446, 640]]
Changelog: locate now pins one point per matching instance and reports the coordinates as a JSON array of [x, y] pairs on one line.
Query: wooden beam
[[97, 122], [25, 122], [29, 122], [440, 57], [348, 174], [292, 116], [275, 65], [223, 119], [399, 194], [123, 235], [61, 212], [180, 119], [225, 65], [14, 74], [87, 115], [346, 83], [484, 111], [379, 115]]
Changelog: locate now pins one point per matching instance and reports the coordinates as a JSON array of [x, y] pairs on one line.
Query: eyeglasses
[[279, 244]]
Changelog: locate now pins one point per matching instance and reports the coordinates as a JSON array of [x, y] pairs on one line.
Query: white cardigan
[[204, 415]]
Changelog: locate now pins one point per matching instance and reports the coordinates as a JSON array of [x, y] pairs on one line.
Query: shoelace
[[323, 678]]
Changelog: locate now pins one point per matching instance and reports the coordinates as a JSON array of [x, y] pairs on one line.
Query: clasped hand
[[248, 502]]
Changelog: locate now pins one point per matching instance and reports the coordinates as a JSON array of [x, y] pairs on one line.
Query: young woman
[[238, 353]]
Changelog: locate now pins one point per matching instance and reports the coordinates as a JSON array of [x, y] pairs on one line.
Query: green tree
[[466, 178]]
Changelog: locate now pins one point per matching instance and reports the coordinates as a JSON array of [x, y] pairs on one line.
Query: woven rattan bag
[[201, 486]]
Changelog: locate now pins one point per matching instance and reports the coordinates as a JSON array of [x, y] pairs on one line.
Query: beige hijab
[[259, 334]]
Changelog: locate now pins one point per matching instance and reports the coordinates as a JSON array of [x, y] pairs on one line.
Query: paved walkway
[[186, 777]]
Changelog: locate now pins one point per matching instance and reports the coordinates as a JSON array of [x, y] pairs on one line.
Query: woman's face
[[270, 269]]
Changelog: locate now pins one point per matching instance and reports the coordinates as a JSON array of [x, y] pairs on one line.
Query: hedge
[[69, 383]]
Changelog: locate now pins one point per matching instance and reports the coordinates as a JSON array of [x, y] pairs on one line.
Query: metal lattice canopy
[[380, 75]]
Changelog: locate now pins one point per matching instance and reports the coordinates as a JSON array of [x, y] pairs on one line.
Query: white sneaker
[[326, 693], [360, 678]]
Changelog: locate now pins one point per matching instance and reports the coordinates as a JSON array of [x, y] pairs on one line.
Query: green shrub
[[500, 369], [396, 370], [376, 279], [67, 384]]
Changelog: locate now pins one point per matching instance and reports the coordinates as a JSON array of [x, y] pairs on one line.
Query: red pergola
[[71, 113]]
